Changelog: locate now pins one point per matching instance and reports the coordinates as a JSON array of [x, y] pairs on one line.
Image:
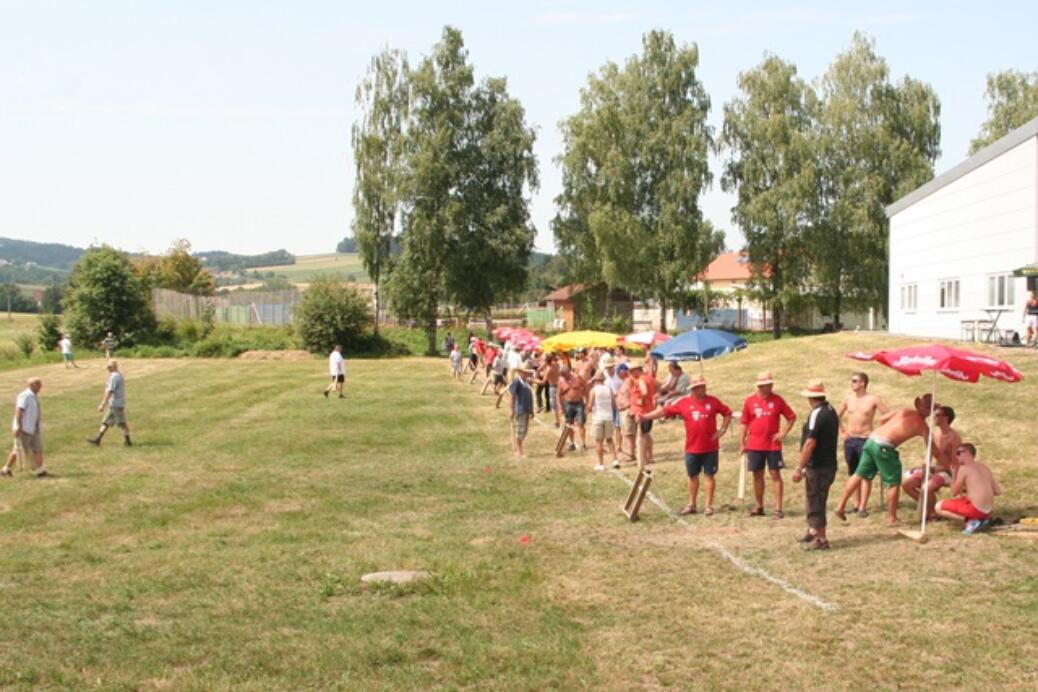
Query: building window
[[1000, 291], [909, 297], [948, 294]]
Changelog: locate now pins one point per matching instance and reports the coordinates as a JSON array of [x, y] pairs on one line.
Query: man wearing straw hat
[[817, 462], [520, 396], [601, 405], [762, 441], [702, 438]]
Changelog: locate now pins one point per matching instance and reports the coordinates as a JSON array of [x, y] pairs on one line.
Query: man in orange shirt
[[762, 441], [643, 401]]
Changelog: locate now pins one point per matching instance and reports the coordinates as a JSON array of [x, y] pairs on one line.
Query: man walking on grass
[[27, 430], [108, 344], [702, 438], [817, 462], [880, 455], [65, 344], [762, 441], [115, 400], [520, 397], [861, 408], [337, 370], [973, 491]]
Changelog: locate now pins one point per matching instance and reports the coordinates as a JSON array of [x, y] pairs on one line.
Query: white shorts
[[1031, 321]]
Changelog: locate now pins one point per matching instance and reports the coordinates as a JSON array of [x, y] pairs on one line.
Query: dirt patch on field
[[293, 356]]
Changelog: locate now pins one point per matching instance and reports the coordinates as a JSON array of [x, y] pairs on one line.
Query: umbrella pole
[[701, 373], [929, 452]]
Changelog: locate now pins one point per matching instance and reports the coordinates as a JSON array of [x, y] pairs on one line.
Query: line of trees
[[444, 167]]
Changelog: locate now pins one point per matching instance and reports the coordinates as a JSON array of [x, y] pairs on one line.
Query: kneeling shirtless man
[[945, 443], [974, 490]]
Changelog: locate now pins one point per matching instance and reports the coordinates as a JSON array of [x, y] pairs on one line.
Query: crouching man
[[973, 491]]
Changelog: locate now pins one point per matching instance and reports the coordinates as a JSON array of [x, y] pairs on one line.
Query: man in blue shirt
[[520, 396]]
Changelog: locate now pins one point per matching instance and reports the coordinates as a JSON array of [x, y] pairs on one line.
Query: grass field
[[308, 266], [225, 549]]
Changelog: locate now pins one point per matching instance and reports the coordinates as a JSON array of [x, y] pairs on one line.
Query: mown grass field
[[225, 549], [306, 267]]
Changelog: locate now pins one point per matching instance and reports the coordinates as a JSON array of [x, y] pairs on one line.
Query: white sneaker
[[616, 463], [600, 467]]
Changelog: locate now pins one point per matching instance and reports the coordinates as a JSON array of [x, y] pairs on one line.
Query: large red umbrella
[[955, 364]]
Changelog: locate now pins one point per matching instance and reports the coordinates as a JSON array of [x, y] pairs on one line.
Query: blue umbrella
[[699, 344]]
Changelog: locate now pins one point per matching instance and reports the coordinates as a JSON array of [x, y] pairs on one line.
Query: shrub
[[332, 312], [105, 294], [188, 331], [49, 331], [25, 344]]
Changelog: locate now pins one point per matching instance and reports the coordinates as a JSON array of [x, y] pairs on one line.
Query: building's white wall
[[980, 224]]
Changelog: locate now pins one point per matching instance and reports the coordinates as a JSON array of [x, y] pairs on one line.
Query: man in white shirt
[[66, 351], [27, 431], [337, 369]]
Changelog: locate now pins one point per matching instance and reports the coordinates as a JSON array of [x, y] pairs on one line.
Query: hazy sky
[[227, 122]]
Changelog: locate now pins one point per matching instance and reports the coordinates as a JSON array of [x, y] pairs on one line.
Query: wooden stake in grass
[[560, 445], [741, 493], [636, 496]]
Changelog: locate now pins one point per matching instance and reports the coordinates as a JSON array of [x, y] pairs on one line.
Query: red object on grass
[[954, 363], [524, 539]]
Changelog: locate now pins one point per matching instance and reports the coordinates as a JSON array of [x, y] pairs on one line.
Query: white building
[[956, 242]]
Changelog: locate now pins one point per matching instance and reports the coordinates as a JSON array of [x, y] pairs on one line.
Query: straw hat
[[815, 389], [765, 378], [698, 381], [605, 361]]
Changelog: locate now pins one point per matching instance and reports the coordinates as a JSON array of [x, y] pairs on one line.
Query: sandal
[[778, 514], [709, 512], [688, 509], [757, 512]]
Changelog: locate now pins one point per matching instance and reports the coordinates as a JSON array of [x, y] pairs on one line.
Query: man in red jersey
[[762, 440], [702, 438]]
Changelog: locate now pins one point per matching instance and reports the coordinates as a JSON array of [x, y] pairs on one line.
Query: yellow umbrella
[[568, 341]]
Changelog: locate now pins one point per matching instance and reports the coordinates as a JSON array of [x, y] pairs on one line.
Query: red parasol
[[955, 364]]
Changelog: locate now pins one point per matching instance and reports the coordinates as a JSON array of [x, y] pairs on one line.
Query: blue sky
[[227, 122]]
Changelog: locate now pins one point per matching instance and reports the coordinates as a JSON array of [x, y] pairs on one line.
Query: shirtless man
[[973, 491], [879, 454], [550, 375], [861, 408], [584, 365], [945, 442], [572, 397]]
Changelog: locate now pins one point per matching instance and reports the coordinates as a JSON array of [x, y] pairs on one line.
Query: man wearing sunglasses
[[973, 491], [860, 408], [945, 443]]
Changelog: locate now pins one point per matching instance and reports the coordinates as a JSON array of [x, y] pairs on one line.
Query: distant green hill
[[222, 261], [28, 262]]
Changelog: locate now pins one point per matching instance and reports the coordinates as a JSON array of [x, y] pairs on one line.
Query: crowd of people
[[620, 397]]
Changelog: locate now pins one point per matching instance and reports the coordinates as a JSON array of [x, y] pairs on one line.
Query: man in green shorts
[[880, 455], [115, 400]]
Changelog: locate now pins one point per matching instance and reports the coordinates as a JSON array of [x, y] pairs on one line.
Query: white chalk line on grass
[[739, 563]]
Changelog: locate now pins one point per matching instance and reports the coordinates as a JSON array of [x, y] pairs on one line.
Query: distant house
[[963, 247], [576, 302]]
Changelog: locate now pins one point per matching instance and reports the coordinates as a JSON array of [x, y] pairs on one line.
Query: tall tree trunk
[[837, 304], [430, 333], [663, 316], [378, 304], [776, 321], [489, 321]]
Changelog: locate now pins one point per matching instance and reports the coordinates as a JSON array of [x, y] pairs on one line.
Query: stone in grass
[[395, 577]]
